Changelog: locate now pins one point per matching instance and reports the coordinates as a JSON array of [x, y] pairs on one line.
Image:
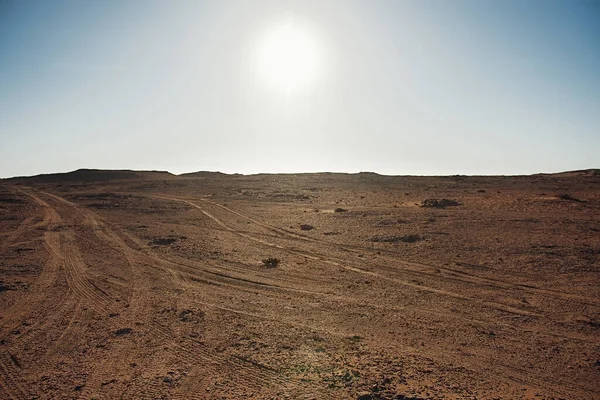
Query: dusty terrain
[[152, 286]]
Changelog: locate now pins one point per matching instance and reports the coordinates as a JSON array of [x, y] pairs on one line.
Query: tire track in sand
[[64, 262], [190, 352], [46, 280], [458, 275], [342, 264], [10, 374], [409, 266]]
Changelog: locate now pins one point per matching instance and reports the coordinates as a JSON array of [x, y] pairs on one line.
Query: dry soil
[[152, 286]]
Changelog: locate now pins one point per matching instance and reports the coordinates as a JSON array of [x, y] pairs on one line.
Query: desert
[[149, 285]]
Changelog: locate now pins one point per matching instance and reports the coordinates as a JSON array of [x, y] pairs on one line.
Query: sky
[[428, 87]]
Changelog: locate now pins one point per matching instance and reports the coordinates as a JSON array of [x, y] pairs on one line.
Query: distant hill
[[102, 175], [203, 174], [95, 175], [581, 172]]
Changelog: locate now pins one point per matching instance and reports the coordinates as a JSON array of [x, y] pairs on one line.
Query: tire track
[[419, 287], [24, 226], [62, 266], [336, 262], [341, 264], [69, 334], [11, 381], [75, 270], [191, 352], [11, 237], [38, 328], [199, 356], [47, 278], [67, 251], [51, 217], [420, 268]]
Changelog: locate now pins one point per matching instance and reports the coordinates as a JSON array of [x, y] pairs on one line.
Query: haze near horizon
[[394, 87]]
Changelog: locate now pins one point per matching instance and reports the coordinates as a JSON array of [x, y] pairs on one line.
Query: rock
[[123, 331], [443, 203]]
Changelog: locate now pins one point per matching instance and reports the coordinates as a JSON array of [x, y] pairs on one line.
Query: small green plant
[[271, 262], [341, 378]]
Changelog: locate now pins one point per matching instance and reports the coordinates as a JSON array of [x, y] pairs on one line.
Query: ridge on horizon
[[93, 174]]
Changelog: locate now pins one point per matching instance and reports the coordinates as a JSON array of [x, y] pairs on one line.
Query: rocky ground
[[314, 286]]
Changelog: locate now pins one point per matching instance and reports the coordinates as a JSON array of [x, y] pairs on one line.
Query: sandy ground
[[151, 286]]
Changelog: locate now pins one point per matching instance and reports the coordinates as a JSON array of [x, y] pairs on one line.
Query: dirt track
[[153, 287]]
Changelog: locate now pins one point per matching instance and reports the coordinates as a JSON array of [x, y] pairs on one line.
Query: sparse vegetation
[[341, 378], [123, 331], [442, 203], [165, 241], [566, 196], [4, 286], [347, 315], [271, 262], [593, 323], [397, 239]]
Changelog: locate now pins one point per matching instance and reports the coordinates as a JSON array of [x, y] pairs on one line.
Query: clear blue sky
[[395, 87]]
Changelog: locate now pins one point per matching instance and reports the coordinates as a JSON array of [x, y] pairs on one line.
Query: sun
[[288, 56]]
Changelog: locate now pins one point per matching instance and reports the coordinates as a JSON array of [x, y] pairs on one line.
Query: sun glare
[[288, 56]]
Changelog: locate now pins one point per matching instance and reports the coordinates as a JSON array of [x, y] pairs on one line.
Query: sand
[[146, 285]]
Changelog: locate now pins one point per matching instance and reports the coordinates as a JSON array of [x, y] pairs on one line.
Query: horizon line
[[292, 173]]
